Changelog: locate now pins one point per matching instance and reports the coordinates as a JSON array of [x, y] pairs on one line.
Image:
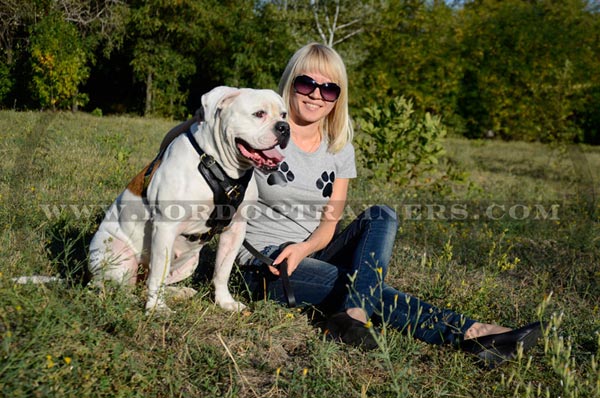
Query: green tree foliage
[[58, 62], [162, 51], [527, 65], [97, 23], [412, 52], [252, 39], [242, 43], [5, 80], [524, 69]]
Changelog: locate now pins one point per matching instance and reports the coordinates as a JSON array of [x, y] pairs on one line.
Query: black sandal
[[342, 327], [495, 349]]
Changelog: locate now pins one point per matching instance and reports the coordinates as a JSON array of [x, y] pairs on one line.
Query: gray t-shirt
[[291, 198]]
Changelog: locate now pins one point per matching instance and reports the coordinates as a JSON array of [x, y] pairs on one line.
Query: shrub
[[396, 146]]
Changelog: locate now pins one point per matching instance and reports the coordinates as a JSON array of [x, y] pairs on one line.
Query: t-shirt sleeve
[[345, 162]]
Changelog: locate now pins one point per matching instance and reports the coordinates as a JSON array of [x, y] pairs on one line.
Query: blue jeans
[[350, 272]]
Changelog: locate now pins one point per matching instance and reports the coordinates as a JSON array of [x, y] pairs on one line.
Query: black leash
[[283, 271]]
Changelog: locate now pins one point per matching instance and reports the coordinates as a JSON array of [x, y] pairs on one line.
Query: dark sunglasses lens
[[304, 85], [330, 91]]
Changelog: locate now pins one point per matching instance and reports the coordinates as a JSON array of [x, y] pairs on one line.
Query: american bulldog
[[158, 224]]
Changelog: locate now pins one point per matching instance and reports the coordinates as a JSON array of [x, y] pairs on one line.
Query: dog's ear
[[216, 99]]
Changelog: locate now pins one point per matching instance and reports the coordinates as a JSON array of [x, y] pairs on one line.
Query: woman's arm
[[323, 234]]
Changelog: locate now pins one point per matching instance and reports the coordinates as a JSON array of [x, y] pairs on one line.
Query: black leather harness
[[228, 193]]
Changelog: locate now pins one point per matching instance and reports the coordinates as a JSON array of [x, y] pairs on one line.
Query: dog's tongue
[[261, 158], [273, 154]]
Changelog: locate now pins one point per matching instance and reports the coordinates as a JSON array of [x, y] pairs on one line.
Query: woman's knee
[[382, 214]]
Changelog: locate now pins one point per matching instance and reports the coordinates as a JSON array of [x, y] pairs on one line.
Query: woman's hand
[[322, 235], [293, 254]]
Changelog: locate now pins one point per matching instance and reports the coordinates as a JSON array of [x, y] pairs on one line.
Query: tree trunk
[[148, 109]]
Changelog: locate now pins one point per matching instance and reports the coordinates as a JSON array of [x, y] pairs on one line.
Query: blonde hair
[[319, 58]]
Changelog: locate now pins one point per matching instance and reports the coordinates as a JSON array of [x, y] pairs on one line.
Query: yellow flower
[[67, 360], [49, 362], [369, 324], [289, 315], [304, 372]]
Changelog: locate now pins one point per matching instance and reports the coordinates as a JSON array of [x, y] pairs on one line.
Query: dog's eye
[[284, 115], [260, 114]]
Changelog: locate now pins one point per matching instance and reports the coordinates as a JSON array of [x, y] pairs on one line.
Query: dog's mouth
[[266, 159]]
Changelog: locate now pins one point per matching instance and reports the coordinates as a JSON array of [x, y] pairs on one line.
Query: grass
[[64, 340]]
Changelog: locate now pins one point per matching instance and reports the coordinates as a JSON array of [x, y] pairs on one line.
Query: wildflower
[[369, 324], [304, 372], [49, 362], [67, 360], [289, 315]]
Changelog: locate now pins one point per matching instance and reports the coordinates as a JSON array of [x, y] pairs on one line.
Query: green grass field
[[517, 241]]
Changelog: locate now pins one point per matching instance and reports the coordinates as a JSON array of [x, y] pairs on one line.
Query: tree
[[338, 20], [163, 47], [58, 61]]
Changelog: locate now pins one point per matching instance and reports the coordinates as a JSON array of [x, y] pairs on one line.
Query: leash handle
[[283, 271]]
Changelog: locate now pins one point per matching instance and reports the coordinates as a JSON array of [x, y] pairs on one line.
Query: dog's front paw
[[233, 306], [158, 308]]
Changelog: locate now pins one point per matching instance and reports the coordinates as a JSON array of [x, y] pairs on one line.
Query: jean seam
[[360, 265]]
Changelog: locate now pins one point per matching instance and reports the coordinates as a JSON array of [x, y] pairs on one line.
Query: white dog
[[163, 217]]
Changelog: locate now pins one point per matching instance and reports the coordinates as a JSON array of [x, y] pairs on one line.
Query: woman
[[343, 274]]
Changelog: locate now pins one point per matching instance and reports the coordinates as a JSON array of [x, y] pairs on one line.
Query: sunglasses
[[305, 85]]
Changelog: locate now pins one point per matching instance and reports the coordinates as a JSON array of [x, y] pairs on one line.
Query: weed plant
[[60, 171]]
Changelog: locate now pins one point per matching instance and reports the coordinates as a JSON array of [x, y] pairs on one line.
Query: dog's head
[[251, 124]]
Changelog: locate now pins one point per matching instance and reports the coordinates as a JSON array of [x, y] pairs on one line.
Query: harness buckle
[[207, 160]]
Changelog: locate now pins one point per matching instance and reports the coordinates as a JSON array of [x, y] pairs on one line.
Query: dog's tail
[[37, 279]]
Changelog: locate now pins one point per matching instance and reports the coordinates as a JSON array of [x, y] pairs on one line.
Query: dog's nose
[[282, 131]]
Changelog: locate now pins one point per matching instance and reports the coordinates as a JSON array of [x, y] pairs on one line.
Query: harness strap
[[283, 271], [171, 135], [228, 193]]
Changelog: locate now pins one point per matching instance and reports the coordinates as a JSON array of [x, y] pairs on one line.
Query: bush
[[396, 146]]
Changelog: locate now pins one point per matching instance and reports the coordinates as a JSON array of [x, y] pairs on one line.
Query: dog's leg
[[111, 259], [163, 237], [230, 242]]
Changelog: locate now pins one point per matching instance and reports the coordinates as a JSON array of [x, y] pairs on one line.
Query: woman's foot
[[493, 349]]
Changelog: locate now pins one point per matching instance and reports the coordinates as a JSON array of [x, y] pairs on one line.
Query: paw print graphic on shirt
[[281, 176], [325, 183]]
